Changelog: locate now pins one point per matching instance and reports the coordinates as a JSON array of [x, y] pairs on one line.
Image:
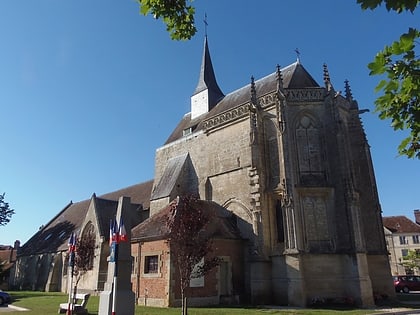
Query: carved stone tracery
[[308, 95], [225, 117]]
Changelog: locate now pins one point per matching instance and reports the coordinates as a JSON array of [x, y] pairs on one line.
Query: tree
[[190, 242], [84, 254], [5, 211], [400, 64], [178, 16], [411, 262]]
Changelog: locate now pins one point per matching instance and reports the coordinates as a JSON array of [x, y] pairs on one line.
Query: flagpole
[[118, 234], [114, 292], [72, 248], [114, 258], [70, 304]]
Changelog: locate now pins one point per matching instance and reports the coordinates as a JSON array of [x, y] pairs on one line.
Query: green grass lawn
[[41, 303]]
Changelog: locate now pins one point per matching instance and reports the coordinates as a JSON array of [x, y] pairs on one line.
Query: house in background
[[402, 235], [7, 260], [42, 263]]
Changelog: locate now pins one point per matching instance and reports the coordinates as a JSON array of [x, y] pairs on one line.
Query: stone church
[[289, 159]]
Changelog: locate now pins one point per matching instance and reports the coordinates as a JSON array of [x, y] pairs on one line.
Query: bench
[[79, 305]]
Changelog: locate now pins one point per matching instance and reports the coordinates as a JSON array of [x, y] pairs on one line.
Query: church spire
[[207, 93]]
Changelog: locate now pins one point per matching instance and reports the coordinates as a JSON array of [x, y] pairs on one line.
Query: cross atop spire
[[297, 55], [205, 24]]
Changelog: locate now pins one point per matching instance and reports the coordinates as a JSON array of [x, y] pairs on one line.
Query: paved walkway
[[11, 308]]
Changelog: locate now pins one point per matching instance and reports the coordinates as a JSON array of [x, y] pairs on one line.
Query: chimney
[[417, 215], [17, 244]]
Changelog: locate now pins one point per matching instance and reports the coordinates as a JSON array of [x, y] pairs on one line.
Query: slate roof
[[54, 235], [400, 224], [207, 78], [294, 76], [169, 177], [154, 228], [139, 193], [7, 257]]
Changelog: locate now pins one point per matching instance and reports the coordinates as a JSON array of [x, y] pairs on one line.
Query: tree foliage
[[5, 211], [399, 63], [84, 255], [178, 15], [411, 262], [391, 5], [190, 242]]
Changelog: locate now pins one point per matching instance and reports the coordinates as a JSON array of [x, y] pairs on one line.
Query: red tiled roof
[[400, 224]]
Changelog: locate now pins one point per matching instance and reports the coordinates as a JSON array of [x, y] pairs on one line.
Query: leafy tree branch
[[178, 16], [5, 211], [399, 64]]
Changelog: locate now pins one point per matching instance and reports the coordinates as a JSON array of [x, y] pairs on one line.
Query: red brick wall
[[159, 287], [232, 249], [151, 285]]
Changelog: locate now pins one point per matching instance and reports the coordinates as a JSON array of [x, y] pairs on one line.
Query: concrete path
[[11, 308]]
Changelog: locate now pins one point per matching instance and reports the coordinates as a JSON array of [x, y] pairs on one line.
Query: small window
[[151, 264], [404, 252], [416, 239], [187, 131], [403, 240]]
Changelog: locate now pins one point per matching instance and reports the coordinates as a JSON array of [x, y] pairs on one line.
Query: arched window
[[308, 146], [88, 242]]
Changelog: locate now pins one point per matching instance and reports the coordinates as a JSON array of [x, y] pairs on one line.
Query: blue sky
[[90, 89]]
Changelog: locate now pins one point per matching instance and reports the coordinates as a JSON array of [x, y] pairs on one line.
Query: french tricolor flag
[[72, 242], [122, 232]]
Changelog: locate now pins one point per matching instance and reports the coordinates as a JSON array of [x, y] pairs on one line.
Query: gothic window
[[279, 221], [89, 238], [308, 146], [89, 229], [315, 211]]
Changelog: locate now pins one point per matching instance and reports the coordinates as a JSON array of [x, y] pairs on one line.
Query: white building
[[402, 235]]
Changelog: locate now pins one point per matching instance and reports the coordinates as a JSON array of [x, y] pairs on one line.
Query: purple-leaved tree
[[190, 242]]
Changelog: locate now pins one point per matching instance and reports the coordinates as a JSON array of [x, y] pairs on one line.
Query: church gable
[[178, 178]]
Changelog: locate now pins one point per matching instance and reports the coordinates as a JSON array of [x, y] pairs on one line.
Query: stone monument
[[119, 270]]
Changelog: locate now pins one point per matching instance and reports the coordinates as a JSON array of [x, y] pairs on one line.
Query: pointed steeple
[[207, 93]]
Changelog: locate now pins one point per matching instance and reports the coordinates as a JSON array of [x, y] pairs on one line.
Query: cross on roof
[[205, 24]]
